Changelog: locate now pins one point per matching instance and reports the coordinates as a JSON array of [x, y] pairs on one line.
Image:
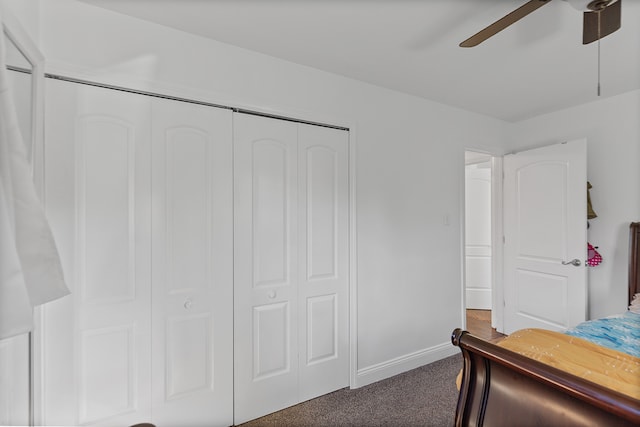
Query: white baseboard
[[404, 363]]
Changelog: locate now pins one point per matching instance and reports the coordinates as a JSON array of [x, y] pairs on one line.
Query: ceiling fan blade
[[610, 21], [503, 23]]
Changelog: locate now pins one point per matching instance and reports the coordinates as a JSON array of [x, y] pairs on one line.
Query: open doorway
[[481, 215]]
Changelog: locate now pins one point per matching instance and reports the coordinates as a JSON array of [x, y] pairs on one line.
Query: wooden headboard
[[634, 259], [500, 387]]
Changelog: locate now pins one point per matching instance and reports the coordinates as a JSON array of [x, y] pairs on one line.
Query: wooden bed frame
[[503, 388]]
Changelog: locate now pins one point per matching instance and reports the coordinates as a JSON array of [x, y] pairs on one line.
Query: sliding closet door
[[192, 265], [323, 279], [139, 195], [97, 192], [291, 263], [266, 266]]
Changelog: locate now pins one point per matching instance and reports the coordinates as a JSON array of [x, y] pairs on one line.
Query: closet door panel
[[187, 208], [271, 191], [291, 263], [265, 292], [192, 265], [323, 276], [97, 340], [105, 163]]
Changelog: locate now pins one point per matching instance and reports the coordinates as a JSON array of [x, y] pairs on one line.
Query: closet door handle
[[575, 262]]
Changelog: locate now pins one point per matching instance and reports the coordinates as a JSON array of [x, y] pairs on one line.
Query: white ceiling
[[535, 66]]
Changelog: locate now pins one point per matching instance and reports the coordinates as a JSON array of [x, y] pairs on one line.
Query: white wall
[[409, 162], [612, 129]]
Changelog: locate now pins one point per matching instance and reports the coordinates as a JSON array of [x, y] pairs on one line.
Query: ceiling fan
[[601, 18]]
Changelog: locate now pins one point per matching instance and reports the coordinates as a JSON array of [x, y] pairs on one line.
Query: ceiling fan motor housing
[[590, 5]]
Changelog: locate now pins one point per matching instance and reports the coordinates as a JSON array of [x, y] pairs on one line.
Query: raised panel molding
[[533, 288], [107, 373], [322, 328], [322, 213], [478, 250], [548, 230], [478, 272], [106, 209], [188, 208], [271, 345], [189, 355], [271, 222]]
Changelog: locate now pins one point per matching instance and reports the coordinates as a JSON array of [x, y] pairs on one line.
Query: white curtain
[[30, 270]]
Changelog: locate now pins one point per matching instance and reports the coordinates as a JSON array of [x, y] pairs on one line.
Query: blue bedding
[[618, 333]]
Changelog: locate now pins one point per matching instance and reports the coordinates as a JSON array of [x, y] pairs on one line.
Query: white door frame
[[497, 292], [497, 240]]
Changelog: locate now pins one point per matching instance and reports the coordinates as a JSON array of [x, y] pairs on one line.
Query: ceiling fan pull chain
[[599, 29], [598, 67]]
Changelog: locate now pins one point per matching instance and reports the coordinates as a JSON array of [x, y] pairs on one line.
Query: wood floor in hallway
[[479, 324]]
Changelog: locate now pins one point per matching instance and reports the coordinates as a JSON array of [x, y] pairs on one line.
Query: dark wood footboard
[[502, 388]]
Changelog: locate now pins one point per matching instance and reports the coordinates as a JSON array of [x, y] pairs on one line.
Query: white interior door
[[192, 274], [291, 263], [97, 190], [478, 234], [266, 266], [545, 225]]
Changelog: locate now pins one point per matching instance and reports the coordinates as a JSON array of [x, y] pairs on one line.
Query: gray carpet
[[425, 396]]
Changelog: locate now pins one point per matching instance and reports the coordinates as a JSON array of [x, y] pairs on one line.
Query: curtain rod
[[191, 101]]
